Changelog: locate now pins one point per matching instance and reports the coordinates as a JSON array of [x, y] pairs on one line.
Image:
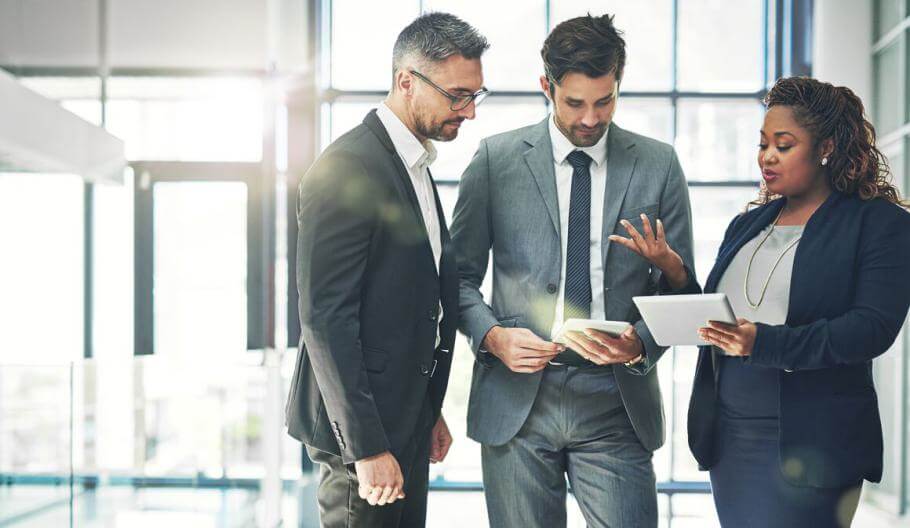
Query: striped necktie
[[578, 243]]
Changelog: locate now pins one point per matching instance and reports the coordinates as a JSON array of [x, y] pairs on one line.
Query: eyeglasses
[[457, 102]]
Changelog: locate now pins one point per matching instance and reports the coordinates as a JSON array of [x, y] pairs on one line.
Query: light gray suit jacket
[[507, 202]]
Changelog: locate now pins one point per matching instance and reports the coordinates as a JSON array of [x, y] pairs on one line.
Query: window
[[200, 269], [187, 119], [890, 114], [41, 227]]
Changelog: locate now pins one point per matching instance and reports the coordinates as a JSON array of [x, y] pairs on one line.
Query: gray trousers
[[340, 505], [578, 427]]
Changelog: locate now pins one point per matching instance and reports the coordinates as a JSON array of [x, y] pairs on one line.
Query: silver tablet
[[674, 320], [614, 328]]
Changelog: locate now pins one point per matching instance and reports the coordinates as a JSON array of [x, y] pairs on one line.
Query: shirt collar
[[562, 147], [413, 152]]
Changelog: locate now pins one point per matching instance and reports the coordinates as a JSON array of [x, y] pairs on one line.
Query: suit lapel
[[447, 267], [403, 178], [726, 253], [621, 158], [539, 159], [725, 257]]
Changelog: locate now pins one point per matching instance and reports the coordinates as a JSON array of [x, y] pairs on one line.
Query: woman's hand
[[653, 247], [734, 339]]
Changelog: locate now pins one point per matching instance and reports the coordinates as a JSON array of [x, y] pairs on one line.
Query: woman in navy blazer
[[791, 437]]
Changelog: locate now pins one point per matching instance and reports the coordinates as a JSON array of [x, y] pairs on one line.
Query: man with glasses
[[378, 287], [546, 198]]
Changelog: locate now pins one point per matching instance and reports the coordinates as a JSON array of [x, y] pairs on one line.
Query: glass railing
[[201, 442], [146, 441]]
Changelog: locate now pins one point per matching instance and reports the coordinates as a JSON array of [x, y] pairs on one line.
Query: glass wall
[[889, 113]]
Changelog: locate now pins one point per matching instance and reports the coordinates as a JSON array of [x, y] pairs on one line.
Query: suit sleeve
[[336, 215], [676, 215], [472, 235], [868, 328]]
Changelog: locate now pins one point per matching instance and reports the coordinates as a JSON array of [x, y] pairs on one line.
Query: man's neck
[[397, 106]]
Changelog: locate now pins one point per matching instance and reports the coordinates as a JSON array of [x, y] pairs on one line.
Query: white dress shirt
[[562, 147], [417, 158]]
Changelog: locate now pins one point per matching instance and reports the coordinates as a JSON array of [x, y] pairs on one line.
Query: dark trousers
[[750, 490], [340, 505]]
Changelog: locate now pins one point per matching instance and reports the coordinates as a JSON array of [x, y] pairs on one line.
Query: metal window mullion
[[143, 265], [725, 184], [674, 73], [88, 269], [766, 28], [904, 76], [323, 36], [258, 313], [904, 483], [674, 66], [548, 16], [92, 71], [331, 95], [892, 35]]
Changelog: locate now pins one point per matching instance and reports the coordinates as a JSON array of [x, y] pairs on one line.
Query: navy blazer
[[849, 294]]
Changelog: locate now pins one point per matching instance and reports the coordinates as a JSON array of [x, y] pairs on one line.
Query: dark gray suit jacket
[[508, 203], [369, 301]]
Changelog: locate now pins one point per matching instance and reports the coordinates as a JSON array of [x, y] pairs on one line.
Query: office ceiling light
[[39, 135]]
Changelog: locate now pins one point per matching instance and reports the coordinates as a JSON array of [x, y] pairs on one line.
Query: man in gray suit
[[545, 199]]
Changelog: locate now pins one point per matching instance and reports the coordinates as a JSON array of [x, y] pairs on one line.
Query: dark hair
[[435, 37], [586, 44], [855, 166]]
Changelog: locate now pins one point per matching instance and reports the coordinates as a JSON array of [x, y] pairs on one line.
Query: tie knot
[[579, 159]]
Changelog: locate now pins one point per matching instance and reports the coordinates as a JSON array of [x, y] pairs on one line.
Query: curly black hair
[[856, 166]]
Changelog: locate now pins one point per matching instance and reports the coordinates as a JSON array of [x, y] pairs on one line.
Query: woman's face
[[789, 164]]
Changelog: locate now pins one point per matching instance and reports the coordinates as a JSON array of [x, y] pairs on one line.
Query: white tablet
[[674, 320], [614, 328]]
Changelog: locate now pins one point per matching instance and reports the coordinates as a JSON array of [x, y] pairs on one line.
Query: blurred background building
[[149, 156]]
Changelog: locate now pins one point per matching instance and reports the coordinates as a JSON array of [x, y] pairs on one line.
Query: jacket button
[[431, 314], [424, 369], [551, 288]]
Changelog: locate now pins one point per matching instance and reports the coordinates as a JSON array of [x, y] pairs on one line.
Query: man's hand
[[440, 441], [519, 349], [603, 349], [380, 479]]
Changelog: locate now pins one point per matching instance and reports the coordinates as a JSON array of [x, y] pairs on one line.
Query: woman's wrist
[[675, 272]]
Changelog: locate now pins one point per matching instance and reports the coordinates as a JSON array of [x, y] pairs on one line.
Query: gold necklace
[[773, 268]]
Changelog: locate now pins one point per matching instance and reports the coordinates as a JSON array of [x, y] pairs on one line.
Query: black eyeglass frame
[[477, 97]]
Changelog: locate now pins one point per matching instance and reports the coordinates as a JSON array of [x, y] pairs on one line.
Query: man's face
[[431, 110], [583, 106]]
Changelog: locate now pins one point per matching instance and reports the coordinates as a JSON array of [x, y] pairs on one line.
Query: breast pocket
[[374, 359], [633, 216]]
